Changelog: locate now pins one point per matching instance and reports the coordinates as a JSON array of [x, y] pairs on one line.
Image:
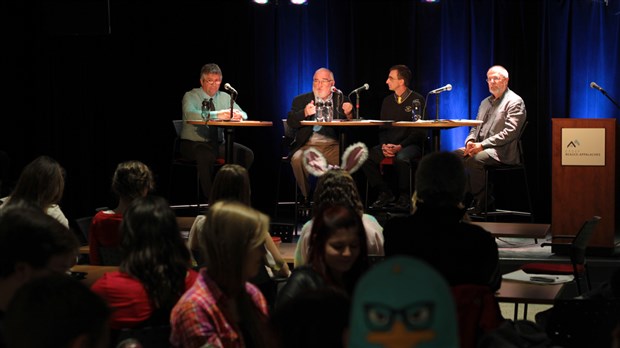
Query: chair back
[[178, 127], [83, 225], [478, 312], [580, 243]]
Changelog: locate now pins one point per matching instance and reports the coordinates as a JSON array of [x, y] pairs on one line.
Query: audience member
[[232, 183], [205, 144], [337, 256], [222, 309], [304, 107], [32, 244], [317, 318], [132, 179], [337, 186], [437, 233], [155, 269], [56, 311], [403, 144], [495, 141], [42, 183]]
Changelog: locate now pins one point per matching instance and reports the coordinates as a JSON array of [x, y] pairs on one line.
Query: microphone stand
[[437, 107], [357, 105], [610, 98]]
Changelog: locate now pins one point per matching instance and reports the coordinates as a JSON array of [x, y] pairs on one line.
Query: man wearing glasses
[[495, 141], [324, 139], [206, 144]]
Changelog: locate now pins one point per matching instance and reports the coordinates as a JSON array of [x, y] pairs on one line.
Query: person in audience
[[155, 269], [438, 233], [41, 183], [56, 311], [313, 328], [337, 186], [132, 179], [232, 182], [32, 244], [222, 309], [337, 257]]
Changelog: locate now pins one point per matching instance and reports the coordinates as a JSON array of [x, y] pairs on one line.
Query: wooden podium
[[580, 191]]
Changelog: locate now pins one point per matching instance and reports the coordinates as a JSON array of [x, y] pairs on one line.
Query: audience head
[[32, 243], [313, 328], [153, 250], [402, 73], [41, 182], [322, 82], [440, 180], [132, 179], [337, 186], [56, 311], [233, 238], [231, 183], [338, 247]]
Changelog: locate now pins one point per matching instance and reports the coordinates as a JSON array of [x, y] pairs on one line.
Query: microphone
[[595, 86], [365, 87], [335, 90], [230, 88], [447, 87]]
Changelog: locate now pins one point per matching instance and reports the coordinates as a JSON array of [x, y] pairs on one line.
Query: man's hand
[[472, 148], [224, 115], [310, 109], [348, 108], [390, 150]]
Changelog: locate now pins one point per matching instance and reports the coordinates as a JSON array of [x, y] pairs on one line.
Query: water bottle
[[328, 111], [205, 110], [415, 113], [320, 111]]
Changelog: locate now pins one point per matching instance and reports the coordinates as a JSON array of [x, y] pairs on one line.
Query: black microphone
[[229, 88], [447, 87], [595, 86], [365, 87], [335, 90]]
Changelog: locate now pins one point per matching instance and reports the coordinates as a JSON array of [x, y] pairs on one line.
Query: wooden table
[[436, 126], [515, 229], [229, 127], [93, 272], [516, 292]]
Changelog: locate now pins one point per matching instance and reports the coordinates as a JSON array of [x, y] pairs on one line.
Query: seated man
[[322, 138], [205, 144], [403, 144], [495, 141], [436, 233]]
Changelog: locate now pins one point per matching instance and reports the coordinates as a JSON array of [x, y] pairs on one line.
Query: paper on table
[[521, 276]]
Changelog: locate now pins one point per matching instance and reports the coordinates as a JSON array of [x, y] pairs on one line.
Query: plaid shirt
[[197, 319]]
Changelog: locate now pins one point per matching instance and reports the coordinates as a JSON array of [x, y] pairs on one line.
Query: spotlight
[[299, 2], [262, 2]]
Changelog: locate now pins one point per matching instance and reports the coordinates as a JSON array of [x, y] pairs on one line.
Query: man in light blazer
[[495, 141]]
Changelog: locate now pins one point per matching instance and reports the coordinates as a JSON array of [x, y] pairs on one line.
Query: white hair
[[500, 70]]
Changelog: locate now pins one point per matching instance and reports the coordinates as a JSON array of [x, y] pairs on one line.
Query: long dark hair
[[231, 183], [153, 250], [328, 219], [41, 183]]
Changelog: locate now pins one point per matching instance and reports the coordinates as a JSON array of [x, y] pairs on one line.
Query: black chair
[[180, 161], [578, 266], [492, 171]]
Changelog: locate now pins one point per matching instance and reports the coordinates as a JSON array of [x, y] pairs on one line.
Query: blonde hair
[[229, 231]]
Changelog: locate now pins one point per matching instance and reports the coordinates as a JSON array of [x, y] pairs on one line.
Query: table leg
[[228, 156], [435, 135]]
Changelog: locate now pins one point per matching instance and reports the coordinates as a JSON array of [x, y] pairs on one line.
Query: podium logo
[[573, 143]]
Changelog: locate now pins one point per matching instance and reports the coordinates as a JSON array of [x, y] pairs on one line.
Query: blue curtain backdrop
[[104, 89]]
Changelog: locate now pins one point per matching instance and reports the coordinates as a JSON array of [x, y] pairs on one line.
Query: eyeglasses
[[211, 82], [321, 82], [494, 79]]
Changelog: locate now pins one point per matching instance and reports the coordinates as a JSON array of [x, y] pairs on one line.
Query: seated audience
[[337, 186], [56, 311], [337, 256], [437, 232], [155, 269], [32, 244], [131, 180], [302, 322], [41, 183], [222, 309]]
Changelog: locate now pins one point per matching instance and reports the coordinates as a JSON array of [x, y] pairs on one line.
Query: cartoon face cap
[[352, 159], [403, 302]]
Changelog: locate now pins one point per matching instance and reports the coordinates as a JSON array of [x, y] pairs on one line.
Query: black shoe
[[403, 202], [384, 199]]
